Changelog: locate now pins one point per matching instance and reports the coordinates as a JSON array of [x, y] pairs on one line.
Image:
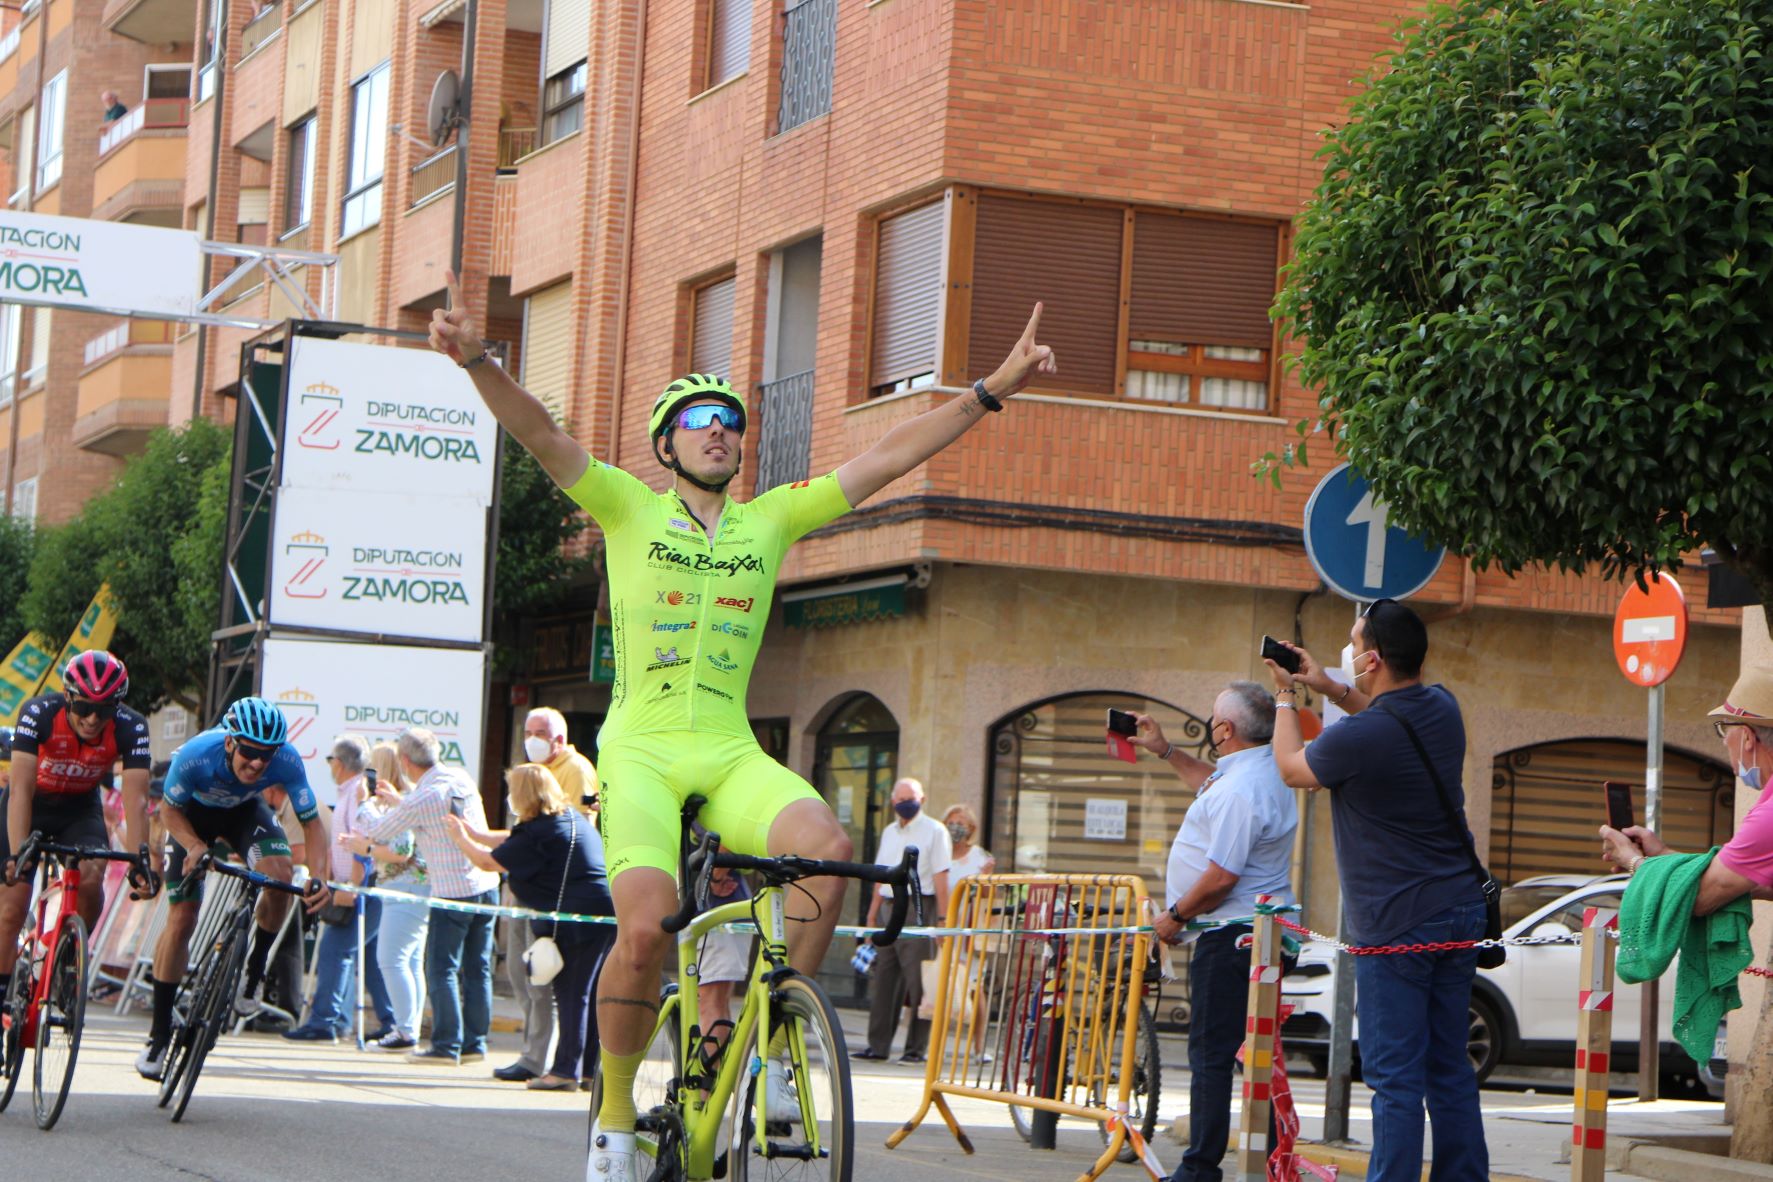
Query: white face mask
[[537, 747]]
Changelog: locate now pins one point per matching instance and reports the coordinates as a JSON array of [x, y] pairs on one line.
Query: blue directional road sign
[[1355, 548]]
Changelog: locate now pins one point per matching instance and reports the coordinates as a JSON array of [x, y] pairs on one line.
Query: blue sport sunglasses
[[695, 418]]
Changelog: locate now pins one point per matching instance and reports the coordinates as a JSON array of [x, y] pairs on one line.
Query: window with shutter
[[566, 35], [1198, 330], [908, 288], [548, 347], [729, 39], [1078, 244], [711, 334], [40, 338]]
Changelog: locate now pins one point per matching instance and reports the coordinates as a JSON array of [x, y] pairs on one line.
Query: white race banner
[[384, 563], [377, 418], [99, 266], [331, 688]]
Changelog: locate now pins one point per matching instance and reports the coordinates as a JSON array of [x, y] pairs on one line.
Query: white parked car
[[1523, 1012]]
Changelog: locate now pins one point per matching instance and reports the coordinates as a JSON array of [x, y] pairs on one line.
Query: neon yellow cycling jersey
[[688, 616]]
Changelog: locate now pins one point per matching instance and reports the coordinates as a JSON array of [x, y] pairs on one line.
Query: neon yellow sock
[[778, 1042], [617, 1113]]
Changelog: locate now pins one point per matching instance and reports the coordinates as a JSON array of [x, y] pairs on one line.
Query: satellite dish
[[444, 114]]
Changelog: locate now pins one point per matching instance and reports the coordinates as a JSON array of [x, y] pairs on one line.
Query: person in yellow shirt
[[544, 742]]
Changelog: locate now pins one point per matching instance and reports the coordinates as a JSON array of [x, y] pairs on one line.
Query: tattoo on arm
[[970, 406], [639, 1002]]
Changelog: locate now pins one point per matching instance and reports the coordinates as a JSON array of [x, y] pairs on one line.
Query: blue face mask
[[1750, 776], [907, 809]]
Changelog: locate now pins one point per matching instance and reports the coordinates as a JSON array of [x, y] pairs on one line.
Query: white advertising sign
[[99, 266], [376, 418], [1105, 820], [331, 688], [385, 563]]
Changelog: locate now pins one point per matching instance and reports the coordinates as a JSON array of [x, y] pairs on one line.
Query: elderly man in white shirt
[[898, 970], [1235, 844]]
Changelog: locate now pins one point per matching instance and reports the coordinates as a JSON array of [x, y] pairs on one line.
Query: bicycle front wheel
[[809, 1130], [209, 1014], [12, 1035], [59, 1023]]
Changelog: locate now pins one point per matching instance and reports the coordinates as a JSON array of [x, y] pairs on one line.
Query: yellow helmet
[[689, 388]]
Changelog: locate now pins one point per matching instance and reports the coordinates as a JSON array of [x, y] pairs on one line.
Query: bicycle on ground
[[45, 1005], [703, 1113], [205, 1002]]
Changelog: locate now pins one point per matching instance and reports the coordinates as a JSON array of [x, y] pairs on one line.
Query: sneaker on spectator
[[471, 1057], [151, 1063], [395, 1041], [311, 1034], [434, 1057], [611, 1157]]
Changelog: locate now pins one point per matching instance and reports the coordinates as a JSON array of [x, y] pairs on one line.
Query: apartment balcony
[[152, 22], [141, 170], [124, 387]]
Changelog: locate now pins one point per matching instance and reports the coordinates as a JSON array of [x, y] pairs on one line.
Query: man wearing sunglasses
[[692, 573], [215, 793], [62, 752]]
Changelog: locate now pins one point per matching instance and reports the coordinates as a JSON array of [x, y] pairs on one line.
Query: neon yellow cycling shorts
[[644, 782]]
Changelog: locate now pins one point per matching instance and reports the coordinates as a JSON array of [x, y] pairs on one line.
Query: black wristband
[[1174, 915], [987, 399], [485, 354]]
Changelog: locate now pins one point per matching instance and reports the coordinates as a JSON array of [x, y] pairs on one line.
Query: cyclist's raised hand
[[1026, 359], [452, 329]]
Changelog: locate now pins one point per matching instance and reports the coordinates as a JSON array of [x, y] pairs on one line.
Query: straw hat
[[1751, 698]]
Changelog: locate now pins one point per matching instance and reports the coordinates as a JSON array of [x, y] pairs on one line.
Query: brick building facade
[[848, 208]]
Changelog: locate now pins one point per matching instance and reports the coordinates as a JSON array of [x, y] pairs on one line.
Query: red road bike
[[45, 1005]]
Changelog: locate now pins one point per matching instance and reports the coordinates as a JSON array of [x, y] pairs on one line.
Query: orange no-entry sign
[[1650, 631]]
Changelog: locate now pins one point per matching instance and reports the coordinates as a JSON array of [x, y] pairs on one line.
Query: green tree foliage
[[157, 538], [536, 572], [18, 541], [1534, 288]]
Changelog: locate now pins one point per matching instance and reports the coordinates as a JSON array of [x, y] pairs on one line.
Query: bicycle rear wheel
[[817, 1143], [654, 1097], [59, 1023], [12, 1037], [210, 1019]]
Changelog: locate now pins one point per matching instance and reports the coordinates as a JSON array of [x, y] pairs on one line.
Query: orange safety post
[[1260, 1027], [1594, 1045]]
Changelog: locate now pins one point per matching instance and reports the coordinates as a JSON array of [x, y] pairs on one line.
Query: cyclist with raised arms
[[215, 792], [691, 574], [62, 752]]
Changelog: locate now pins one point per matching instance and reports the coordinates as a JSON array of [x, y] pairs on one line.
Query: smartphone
[[1280, 654], [1618, 805], [1122, 723], [369, 780]]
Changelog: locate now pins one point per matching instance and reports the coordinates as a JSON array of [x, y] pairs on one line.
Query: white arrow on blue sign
[[1355, 548]]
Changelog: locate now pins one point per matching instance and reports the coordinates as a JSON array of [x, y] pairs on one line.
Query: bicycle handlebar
[[265, 881], [35, 845], [779, 871]]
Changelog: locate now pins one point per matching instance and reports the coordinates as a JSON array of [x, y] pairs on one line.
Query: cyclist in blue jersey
[[215, 793]]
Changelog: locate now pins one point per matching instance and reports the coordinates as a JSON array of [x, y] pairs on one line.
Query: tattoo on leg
[[640, 1002]]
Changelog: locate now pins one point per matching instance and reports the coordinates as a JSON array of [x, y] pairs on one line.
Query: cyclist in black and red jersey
[[62, 752]]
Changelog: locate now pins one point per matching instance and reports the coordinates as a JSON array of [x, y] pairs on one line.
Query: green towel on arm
[[1656, 921]]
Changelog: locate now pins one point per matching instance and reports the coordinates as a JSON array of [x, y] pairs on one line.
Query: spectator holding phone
[[1235, 845], [1405, 863], [458, 952], [1744, 866]]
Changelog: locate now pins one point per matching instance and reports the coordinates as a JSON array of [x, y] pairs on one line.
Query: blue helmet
[[256, 721]]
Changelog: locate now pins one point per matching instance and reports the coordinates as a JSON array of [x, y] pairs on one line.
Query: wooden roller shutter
[[548, 347], [1077, 249], [1202, 281], [729, 46], [568, 35], [908, 294], [711, 338], [255, 207], [372, 36]]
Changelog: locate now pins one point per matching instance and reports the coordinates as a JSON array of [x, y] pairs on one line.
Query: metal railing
[[514, 144], [262, 27], [434, 174], [809, 41], [153, 113], [785, 438], [128, 332]]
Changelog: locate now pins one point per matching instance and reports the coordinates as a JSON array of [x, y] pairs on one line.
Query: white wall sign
[[99, 266], [383, 563], [376, 418], [330, 688], [1105, 820]]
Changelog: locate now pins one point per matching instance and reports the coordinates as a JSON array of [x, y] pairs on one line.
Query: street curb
[[1647, 1160], [1353, 1162]]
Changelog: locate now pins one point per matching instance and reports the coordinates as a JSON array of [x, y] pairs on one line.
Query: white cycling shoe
[[611, 1158], [781, 1101]]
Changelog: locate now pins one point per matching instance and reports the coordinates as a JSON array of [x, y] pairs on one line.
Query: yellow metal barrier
[[1057, 1013], [1594, 1046]]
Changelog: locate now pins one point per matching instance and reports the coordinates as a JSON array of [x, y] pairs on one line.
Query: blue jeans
[[1414, 1020], [335, 982], [400, 954], [1219, 988], [458, 974]]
